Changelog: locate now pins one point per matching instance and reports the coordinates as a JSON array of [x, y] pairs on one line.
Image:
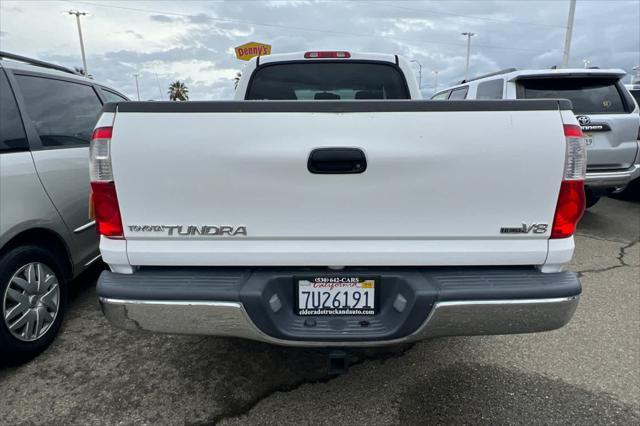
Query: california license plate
[[336, 295]]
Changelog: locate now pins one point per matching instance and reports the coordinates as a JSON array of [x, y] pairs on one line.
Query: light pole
[[586, 63], [567, 39], [77, 14], [419, 73], [159, 89], [435, 84], [137, 87], [466, 67]]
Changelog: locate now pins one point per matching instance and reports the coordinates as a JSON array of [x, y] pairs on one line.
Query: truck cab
[[334, 75]]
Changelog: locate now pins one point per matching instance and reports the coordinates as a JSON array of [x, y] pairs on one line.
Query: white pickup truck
[[331, 207]]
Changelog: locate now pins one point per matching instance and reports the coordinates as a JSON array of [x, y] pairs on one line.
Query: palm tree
[[236, 80], [178, 91]]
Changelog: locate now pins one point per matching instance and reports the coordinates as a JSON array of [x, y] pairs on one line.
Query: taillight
[[571, 200], [327, 54], [104, 197], [100, 155], [575, 166], [569, 209], [107, 210]]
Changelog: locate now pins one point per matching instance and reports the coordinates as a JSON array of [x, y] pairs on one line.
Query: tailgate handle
[[337, 161]]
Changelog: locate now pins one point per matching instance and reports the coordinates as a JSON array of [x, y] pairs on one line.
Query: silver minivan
[[604, 108], [47, 114]]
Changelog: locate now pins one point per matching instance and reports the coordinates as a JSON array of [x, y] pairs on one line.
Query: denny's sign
[[249, 50]]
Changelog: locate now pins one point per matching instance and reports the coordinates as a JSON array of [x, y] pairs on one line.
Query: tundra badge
[[193, 230]]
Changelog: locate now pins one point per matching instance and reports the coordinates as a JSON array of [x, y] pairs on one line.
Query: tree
[[178, 91], [236, 80]]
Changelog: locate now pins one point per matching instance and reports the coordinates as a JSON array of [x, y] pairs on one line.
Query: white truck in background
[[330, 207]]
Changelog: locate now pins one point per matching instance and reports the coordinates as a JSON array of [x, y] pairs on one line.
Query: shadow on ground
[[466, 393]]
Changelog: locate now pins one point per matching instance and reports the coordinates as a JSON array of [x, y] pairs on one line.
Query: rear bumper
[[611, 179], [441, 302], [446, 319]]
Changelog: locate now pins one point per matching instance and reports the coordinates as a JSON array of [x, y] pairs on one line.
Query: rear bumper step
[[613, 178], [441, 302]]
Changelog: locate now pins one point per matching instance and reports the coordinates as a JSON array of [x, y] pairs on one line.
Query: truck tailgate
[[441, 181]]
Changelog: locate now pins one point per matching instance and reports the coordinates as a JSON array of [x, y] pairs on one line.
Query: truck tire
[[591, 199], [33, 295]]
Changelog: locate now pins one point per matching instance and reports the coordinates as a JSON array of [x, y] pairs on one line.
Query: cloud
[[194, 41], [200, 18], [164, 18], [135, 34]]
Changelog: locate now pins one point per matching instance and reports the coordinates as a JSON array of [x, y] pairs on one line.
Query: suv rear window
[[636, 94], [589, 95], [327, 81]]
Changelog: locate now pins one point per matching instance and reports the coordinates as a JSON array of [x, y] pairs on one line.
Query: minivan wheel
[[32, 301]]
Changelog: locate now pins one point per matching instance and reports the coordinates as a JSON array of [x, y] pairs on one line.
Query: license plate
[[588, 139], [336, 295]]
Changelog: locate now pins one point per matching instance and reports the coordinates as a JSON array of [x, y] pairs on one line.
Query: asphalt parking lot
[[585, 373]]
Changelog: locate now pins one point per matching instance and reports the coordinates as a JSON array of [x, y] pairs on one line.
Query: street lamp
[[586, 63], [419, 73], [137, 87], [77, 14], [567, 37], [435, 84], [466, 67]]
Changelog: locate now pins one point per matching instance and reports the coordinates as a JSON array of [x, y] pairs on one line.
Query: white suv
[[604, 108]]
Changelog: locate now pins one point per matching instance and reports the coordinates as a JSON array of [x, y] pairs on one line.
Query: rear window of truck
[[327, 81], [589, 95]]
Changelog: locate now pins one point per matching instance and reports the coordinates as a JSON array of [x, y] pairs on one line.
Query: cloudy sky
[[194, 40]]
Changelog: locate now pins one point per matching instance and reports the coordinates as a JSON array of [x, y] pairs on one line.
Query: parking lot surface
[[588, 372]]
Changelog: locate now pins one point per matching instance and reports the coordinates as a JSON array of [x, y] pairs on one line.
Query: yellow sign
[[249, 50]]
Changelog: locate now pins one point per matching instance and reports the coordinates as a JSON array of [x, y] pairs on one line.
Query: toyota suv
[[47, 114], [604, 108]]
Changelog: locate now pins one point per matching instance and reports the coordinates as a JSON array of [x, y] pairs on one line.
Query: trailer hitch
[[339, 361]]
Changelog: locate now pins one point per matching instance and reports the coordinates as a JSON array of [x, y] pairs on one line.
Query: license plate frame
[[340, 285]]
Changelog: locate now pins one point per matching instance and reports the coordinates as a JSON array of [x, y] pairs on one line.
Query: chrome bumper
[[452, 318], [610, 179]]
